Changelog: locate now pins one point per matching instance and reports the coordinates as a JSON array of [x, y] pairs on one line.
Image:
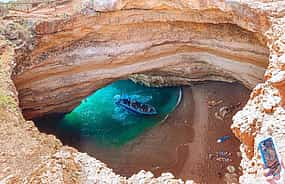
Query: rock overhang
[[78, 58], [263, 114]]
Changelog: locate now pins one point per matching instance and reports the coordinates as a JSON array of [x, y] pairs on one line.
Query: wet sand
[[184, 142], [199, 166]]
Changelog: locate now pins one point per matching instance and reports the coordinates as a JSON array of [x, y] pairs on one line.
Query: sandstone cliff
[[60, 54]]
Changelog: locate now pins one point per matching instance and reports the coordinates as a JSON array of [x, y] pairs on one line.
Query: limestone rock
[[71, 54], [78, 47]]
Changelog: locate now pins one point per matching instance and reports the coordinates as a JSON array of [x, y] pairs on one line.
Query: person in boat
[[135, 104], [145, 108], [126, 101]]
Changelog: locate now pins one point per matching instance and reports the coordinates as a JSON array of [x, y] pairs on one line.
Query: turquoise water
[[99, 120]]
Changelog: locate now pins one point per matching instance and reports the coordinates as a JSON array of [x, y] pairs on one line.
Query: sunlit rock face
[[72, 58], [79, 51]]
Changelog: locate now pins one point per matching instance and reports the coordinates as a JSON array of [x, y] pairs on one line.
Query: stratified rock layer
[[65, 52], [72, 57]]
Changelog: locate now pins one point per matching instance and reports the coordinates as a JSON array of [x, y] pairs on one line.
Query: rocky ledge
[[58, 55], [75, 55]]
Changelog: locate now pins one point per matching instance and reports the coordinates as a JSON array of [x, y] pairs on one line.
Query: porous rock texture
[[60, 54]]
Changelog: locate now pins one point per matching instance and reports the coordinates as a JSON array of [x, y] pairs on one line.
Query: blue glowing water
[[100, 120]]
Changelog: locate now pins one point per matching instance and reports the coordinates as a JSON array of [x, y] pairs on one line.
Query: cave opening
[[183, 140]]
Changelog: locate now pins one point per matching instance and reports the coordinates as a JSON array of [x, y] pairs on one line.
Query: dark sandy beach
[[185, 143]]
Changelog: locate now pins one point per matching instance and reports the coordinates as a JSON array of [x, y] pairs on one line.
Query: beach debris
[[218, 116], [213, 103], [221, 156], [189, 182], [235, 106], [231, 178], [231, 169], [223, 139], [225, 110], [221, 159], [224, 154], [211, 156]]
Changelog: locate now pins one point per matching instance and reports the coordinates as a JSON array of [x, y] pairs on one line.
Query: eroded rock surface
[[28, 156], [71, 49], [76, 55]]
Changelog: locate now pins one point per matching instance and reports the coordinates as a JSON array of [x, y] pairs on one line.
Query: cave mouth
[[183, 140]]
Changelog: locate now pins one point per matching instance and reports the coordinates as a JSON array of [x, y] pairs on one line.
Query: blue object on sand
[[223, 139]]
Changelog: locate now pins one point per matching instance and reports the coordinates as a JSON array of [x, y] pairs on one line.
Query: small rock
[[231, 169], [217, 116], [223, 111], [231, 178], [267, 107], [213, 103], [167, 175], [189, 182]]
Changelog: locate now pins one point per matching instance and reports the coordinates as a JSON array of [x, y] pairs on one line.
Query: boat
[[135, 106]]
